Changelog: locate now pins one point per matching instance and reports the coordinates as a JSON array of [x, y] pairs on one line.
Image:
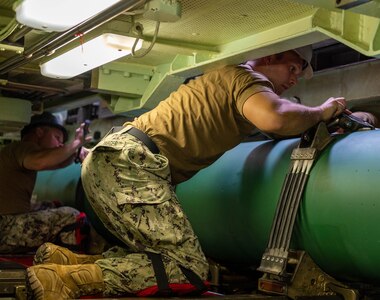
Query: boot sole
[[36, 291], [34, 286]]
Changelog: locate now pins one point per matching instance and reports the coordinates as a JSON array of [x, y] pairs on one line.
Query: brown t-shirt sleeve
[[249, 83], [22, 151]]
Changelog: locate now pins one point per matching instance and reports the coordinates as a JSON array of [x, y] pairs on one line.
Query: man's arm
[[51, 159], [274, 115]]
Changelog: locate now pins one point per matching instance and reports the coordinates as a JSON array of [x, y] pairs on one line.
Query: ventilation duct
[[14, 114]]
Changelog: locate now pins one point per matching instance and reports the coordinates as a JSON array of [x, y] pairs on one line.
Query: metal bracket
[[345, 292], [275, 257], [349, 123], [308, 280], [20, 292], [289, 272]]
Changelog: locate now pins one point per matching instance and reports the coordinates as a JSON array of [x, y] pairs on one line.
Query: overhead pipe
[[53, 41], [16, 86]]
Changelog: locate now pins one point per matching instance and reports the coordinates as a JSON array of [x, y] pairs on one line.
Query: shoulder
[[245, 75], [20, 148], [9, 148], [242, 72], [257, 76]]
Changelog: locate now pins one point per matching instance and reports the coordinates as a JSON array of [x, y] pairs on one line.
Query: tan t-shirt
[[16, 182], [196, 124]]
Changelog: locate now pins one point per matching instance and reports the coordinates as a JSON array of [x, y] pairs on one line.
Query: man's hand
[[332, 107], [81, 135], [83, 153], [366, 117]]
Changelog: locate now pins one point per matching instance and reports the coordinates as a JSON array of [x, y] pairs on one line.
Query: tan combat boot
[[58, 282], [50, 253]]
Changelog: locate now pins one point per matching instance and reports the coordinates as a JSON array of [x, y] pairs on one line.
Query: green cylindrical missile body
[[232, 203]]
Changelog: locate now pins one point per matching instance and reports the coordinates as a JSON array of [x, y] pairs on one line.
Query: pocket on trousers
[[109, 144], [147, 194], [142, 177]]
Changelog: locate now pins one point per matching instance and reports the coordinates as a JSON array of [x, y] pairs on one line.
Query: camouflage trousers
[[130, 190], [26, 232]]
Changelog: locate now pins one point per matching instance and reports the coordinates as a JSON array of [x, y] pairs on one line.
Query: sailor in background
[[24, 226]]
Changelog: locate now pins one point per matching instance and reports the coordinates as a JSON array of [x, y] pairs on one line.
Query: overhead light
[[94, 53], [53, 15]]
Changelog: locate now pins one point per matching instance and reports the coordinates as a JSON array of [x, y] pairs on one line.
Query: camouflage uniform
[[26, 232], [130, 190]]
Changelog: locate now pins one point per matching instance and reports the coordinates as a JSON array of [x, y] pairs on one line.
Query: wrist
[[74, 146], [320, 114]]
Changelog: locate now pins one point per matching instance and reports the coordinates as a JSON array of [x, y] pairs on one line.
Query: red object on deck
[[25, 259]]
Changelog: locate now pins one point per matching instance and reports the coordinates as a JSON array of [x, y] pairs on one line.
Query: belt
[[142, 136]]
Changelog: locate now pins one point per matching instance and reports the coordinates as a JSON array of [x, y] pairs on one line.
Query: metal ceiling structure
[[208, 34]]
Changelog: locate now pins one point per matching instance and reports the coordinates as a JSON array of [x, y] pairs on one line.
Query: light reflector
[[53, 15], [94, 53]]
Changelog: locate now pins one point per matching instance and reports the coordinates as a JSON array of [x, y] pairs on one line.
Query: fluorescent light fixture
[[53, 15], [94, 53]]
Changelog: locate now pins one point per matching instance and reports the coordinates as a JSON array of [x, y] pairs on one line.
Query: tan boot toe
[[50, 253]]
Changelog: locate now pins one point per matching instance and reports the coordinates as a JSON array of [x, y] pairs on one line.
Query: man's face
[[283, 70], [51, 137]]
